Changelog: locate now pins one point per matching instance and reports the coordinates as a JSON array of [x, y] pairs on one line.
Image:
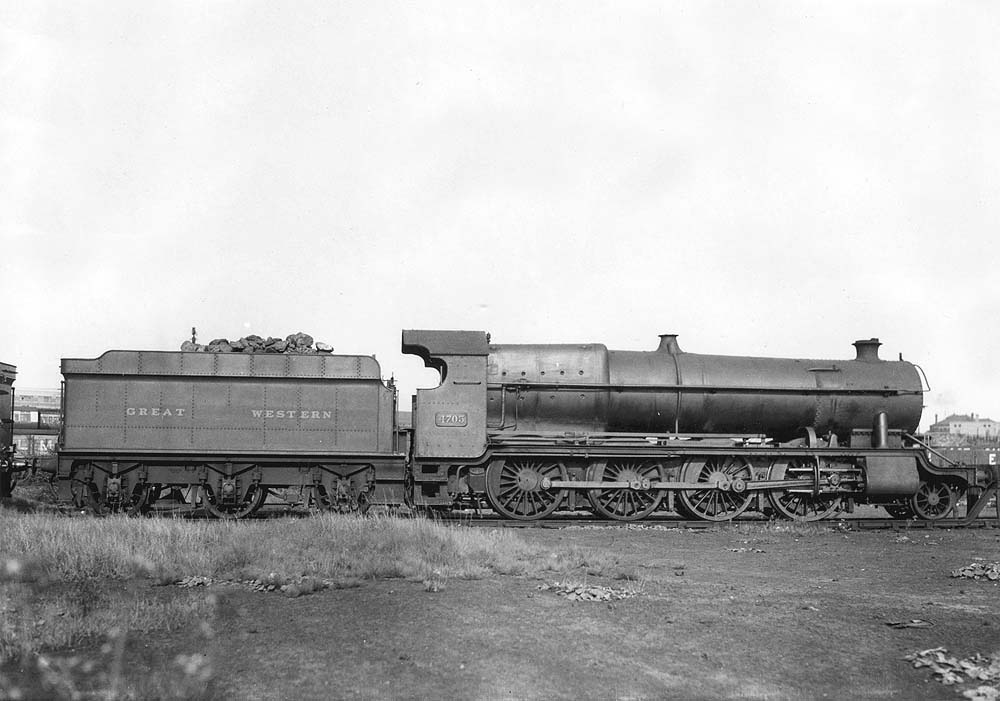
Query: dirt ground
[[718, 614]]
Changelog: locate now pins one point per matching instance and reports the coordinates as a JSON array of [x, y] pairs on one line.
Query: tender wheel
[[514, 487], [252, 500], [799, 506], [933, 500], [321, 500], [723, 503], [624, 504], [141, 500], [87, 496]]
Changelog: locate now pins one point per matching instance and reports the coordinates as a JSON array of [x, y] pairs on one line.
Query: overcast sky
[[762, 178]]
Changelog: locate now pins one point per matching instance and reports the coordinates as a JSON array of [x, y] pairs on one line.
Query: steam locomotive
[[528, 430]]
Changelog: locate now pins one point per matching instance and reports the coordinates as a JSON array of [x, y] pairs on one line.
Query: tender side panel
[[190, 402]]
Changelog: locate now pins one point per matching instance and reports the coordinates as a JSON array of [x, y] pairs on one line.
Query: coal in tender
[[300, 343]]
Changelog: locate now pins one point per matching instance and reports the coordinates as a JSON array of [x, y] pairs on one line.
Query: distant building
[[36, 422], [964, 428]]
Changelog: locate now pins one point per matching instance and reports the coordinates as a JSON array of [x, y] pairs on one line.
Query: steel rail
[[852, 524]]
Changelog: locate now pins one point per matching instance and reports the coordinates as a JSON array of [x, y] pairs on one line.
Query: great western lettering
[[154, 411], [291, 414], [302, 414]]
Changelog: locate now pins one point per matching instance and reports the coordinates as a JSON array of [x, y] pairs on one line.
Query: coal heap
[[293, 343]]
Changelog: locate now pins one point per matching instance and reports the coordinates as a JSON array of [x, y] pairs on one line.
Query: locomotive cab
[[449, 421]]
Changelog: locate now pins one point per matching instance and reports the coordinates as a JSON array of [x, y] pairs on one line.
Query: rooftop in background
[[962, 429], [37, 398], [958, 419]]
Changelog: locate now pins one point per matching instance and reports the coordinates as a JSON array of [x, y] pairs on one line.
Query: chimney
[[867, 350], [668, 344]]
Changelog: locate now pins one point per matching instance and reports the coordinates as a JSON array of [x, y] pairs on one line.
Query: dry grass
[[326, 546], [61, 578], [68, 582]]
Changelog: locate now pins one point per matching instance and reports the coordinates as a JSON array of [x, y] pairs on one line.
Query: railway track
[[845, 524], [489, 520], [279, 508]]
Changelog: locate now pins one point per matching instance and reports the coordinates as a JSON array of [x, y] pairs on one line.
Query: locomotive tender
[[528, 429], [234, 425]]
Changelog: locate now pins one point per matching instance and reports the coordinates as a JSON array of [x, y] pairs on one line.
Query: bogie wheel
[[799, 506], [514, 487], [252, 500], [933, 500], [624, 503], [727, 498]]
